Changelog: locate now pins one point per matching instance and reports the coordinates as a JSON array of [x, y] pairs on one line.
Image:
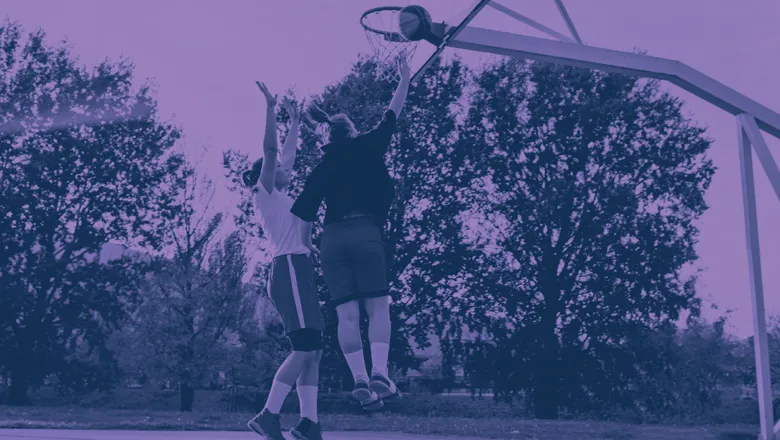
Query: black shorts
[[354, 260], [305, 339], [293, 290]]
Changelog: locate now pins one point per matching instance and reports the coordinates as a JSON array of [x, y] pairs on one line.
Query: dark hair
[[318, 115], [339, 126], [251, 175]]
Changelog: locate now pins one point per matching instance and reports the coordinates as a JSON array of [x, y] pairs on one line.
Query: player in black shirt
[[353, 181]]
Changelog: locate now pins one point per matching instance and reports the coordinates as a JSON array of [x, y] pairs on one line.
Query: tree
[[746, 355], [84, 160], [193, 302], [585, 187], [261, 346]]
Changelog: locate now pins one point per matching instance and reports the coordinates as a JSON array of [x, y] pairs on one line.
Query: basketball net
[[389, 46]]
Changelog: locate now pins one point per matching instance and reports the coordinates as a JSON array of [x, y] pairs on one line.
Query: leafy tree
[[746, 355], [585, 187], [194, 301], [84, 160], [261, 346]]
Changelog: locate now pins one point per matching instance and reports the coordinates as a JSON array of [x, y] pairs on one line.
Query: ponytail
[[252, 175], [318, 115], [337, 127]]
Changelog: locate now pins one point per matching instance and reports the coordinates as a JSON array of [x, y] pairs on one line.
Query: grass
[[504, 428]]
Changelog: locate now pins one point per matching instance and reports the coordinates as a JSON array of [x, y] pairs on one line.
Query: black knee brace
[[305, 339]]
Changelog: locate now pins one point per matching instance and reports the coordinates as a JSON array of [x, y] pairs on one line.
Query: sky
[[205, 55]]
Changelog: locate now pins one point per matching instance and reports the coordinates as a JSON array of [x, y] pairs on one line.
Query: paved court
[[66, 434]]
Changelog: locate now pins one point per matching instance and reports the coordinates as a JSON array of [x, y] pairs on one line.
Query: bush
[[732, 411], [411, 404]]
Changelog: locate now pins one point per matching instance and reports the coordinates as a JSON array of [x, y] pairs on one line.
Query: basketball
[[414, 22]]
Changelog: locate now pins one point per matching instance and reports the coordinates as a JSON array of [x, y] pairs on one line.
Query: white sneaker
[[367, 397], [384, 387]]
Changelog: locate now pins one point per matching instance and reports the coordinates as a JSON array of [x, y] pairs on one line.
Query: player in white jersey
[[291, 283]]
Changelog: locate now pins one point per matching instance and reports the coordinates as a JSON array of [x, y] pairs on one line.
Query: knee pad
[[305, 339]]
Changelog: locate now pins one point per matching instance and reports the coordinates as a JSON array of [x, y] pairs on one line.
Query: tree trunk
[[548, 371], [546, 389], [545, 395], [17, 392], [186, 397]]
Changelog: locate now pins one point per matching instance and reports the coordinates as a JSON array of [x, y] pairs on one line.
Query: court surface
[[67, 434]]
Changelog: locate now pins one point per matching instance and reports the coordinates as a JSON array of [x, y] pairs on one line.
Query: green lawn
[[81, 418]]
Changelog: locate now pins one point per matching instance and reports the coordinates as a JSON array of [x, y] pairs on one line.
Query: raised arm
[[270, 144], [399, 97], [290, 146], [381, 135]]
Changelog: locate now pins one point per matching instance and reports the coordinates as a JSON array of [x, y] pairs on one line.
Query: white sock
[[276, 396], [379, 353], [357, 364], [307, 397]]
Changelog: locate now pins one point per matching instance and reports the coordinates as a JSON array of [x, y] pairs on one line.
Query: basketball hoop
[[388, 44]]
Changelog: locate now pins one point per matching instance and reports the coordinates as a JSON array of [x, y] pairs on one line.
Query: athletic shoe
[[368, 399], [268, 425], [307, 430], [384, 387]]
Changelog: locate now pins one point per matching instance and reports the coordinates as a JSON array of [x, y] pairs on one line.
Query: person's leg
[[378, 310], [339, 270], [352, 347], [281, 291], [307, 387], [349, 338], [268, 423], [371, 279], [308, 339], [285, 378]]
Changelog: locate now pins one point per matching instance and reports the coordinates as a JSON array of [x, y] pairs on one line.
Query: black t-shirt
[[352, 177]]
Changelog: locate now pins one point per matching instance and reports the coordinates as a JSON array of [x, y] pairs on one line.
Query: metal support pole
[[750, 127], [763, 380]]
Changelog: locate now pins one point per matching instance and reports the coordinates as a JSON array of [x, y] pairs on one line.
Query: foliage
[[193, 303], [84, 160], [584, 189]]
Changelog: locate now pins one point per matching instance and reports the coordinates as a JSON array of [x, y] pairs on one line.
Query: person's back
[[353, 181], [352, 178], [358, 181]]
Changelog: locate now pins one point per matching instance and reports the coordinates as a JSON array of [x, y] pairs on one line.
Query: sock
[[276, 396], [379, 352], [357, 364], [307, 396]]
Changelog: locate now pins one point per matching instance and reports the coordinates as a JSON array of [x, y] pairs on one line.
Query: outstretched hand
[[403, 68], [269, 98], [292, 109]]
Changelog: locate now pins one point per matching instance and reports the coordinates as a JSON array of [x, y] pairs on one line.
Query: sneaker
[[384, 387], [307, 430], [268, 425], [368, 399]]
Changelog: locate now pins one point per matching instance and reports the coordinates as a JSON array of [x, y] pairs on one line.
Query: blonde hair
[[337, 126]]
